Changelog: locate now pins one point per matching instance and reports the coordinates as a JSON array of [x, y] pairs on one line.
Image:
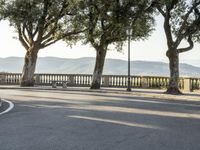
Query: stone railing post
[[37, 79], [106, 81], [2, 78], [71, 80], [144, 82], [187, 85]]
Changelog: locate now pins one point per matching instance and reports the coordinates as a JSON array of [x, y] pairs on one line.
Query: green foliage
[[184, 18], [42, 22], [107, 21]]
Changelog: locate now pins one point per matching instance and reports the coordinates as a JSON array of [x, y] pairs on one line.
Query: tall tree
[[107, 21], [181, 23], [40, 23]]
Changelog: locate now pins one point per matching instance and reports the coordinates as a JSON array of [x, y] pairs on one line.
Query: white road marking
[[11, 106]]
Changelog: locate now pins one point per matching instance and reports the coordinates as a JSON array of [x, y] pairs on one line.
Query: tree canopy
[[41, 21], [108, 19], [183, 19]]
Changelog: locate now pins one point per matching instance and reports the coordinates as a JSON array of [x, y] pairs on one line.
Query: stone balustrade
[[187, 84]]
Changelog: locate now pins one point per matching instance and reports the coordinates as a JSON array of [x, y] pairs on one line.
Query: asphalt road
[[64, 120]]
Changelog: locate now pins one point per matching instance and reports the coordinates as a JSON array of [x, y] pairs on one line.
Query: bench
[[55, 82]]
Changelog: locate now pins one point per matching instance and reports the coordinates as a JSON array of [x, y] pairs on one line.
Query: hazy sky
[[153, 49]]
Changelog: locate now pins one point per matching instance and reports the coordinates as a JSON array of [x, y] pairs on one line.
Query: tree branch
[[30, 35], [158, 6], [161, 10], [52, 18], [52, 40], [92, 22], [41, 22], [23, 32], [191, 45], [171, 4], [21, 39], [50, 33], [167, 29], [184, 26]]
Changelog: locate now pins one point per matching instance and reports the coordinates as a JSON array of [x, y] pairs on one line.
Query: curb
[[11, 106]]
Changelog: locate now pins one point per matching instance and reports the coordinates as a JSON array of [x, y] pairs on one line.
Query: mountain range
[[86, 65]]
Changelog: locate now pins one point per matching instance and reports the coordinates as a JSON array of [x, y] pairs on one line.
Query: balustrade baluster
[[118, 81], [133, 81], [83, 78], [115, 80], [136, 82]]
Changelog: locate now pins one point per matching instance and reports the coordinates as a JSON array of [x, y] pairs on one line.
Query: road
[[75, 120]]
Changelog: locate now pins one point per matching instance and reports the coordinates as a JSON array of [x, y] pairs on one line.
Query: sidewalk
[[151, 93]]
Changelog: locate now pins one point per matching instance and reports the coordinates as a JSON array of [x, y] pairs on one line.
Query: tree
[[40, 23], [181, 23], [107, 21]]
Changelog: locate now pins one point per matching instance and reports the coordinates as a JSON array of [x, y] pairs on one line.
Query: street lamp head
[[129, 31]]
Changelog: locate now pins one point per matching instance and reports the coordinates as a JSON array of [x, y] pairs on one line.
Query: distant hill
[[86, 65]]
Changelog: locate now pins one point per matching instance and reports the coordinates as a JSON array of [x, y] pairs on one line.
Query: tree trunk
[[173, 87], [27, 78], [98, 70]]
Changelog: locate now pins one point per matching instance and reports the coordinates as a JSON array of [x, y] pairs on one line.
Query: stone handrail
[[107, 80]]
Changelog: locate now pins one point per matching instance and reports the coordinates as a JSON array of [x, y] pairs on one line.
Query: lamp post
[[129, 34]]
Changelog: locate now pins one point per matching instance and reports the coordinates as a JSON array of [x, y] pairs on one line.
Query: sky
[[152, 49]]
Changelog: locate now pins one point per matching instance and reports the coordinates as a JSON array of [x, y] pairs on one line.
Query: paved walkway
[[153, 93]]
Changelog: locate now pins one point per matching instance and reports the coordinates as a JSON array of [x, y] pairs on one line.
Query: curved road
[[65, 120]]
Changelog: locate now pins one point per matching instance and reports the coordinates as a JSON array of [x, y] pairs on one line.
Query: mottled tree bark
[[27, 78], [98, 70], [173, 87]]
